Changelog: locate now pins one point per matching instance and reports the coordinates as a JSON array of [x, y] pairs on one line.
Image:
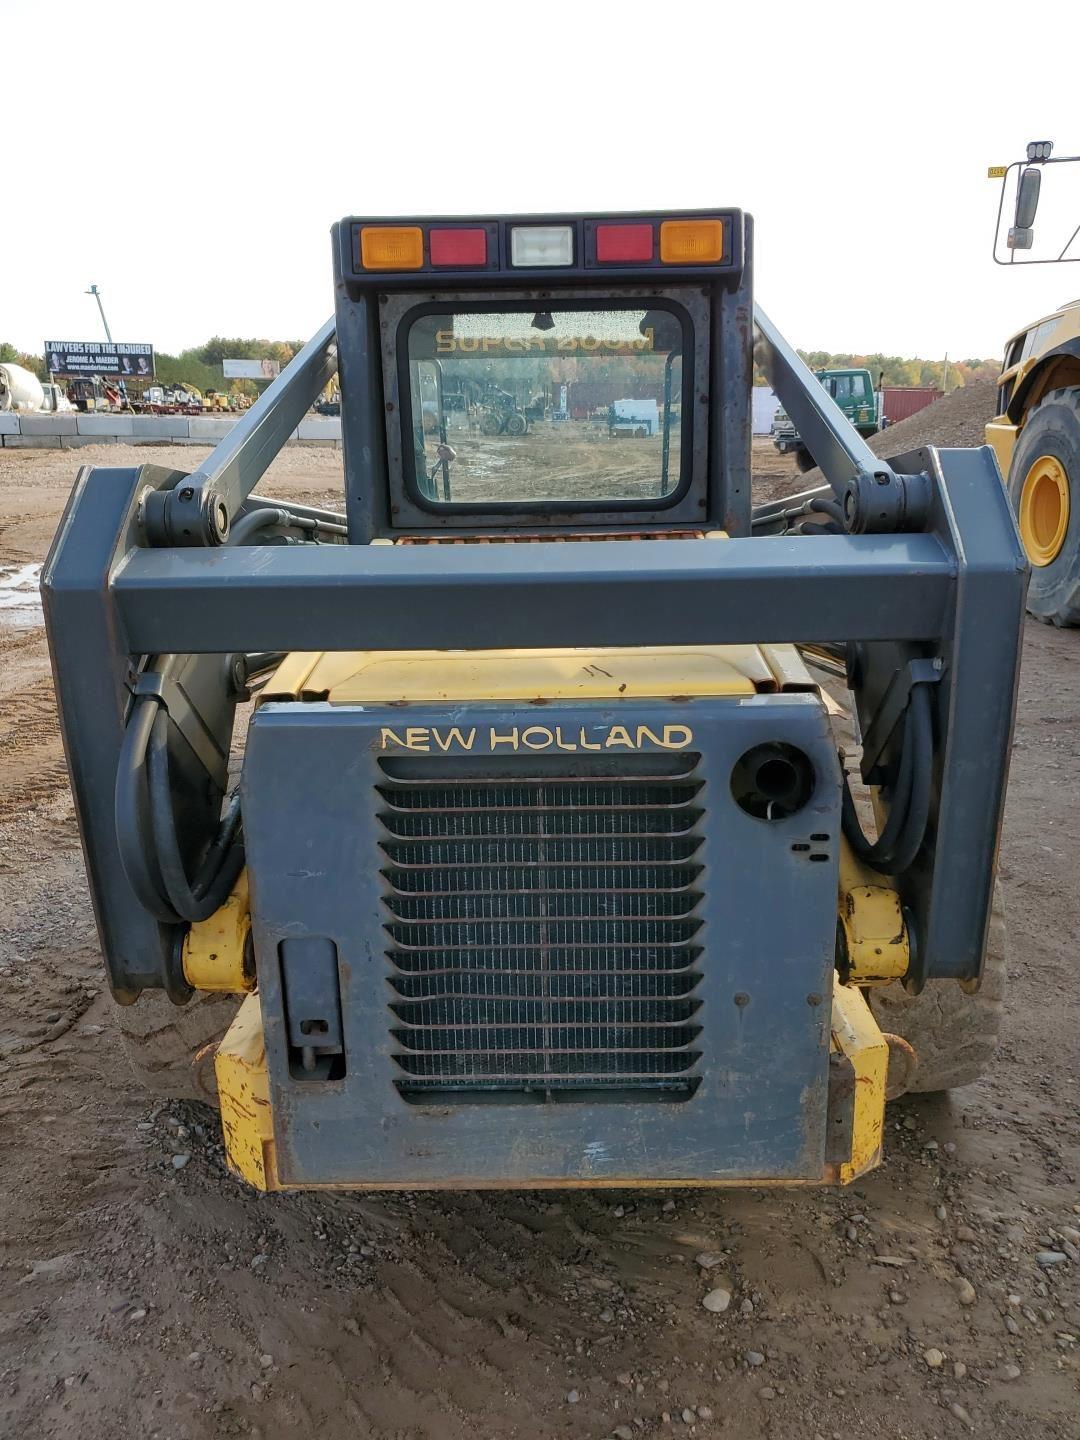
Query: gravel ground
[[144, 1293]]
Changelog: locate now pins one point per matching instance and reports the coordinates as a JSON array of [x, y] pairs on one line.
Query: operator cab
[[545, 376]]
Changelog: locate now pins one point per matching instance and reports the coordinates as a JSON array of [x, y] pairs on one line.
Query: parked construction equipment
[[854, 394], [545, 866], [20, 389]]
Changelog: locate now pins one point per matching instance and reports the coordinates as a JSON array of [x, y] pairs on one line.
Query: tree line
[[897, 370], [201, 365]]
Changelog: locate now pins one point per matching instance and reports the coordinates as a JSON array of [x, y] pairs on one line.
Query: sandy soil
[[143, 1293]]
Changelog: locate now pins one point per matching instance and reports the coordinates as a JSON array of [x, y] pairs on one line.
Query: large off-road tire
[[804, 460], [954, 1034], [163, 1042], [1044, 486]]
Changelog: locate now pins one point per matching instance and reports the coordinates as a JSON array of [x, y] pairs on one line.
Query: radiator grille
[[543, 926]]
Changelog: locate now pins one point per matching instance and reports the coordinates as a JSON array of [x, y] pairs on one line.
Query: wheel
[[804, 460], [954, 1033], [1044, 486], [516, 424], [490, 423], [164, 1042]]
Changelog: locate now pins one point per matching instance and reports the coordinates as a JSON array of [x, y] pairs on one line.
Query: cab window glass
[[1037, 337], [518, 406]]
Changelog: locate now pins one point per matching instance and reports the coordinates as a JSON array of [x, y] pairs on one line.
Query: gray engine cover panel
[[310, 817]]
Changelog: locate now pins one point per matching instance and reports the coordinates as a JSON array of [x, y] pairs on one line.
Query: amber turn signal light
[[392, 247], [692, 242]]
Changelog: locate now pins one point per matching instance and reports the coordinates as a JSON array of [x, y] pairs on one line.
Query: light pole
[[97, 296], [108, 333]]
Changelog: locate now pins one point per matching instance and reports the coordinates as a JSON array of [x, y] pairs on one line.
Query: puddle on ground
[[20, 598]]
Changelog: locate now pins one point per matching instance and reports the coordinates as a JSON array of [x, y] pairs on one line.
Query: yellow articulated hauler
[[1036, 433]]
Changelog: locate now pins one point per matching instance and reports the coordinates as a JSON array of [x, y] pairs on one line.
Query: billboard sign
[[99, 357], [251, 369]]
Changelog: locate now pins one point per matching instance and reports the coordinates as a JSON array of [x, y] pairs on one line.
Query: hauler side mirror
[[1022, 232]]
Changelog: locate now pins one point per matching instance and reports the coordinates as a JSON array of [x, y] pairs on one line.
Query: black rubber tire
[[954, 1033], [804, 460], [516, 424], [1053, 428], [161, 1041]]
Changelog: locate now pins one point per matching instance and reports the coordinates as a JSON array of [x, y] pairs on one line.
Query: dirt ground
[[144, 1293], [573, 460]]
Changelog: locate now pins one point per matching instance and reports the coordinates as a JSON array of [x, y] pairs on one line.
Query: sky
[[191, 161]]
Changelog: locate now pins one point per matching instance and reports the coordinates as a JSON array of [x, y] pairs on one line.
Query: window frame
[[685, 505]]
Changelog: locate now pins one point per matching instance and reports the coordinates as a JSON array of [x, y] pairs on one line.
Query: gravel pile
[[958, 419]]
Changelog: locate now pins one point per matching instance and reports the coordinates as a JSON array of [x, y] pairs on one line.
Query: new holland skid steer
[[536, 859]]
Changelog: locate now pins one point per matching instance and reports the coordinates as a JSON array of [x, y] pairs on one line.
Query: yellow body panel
[[216, 953], [1057, 330], [247, 1123], [1001, 437], [876, 936], [244, 1095], [366, 676], [855, 1034]]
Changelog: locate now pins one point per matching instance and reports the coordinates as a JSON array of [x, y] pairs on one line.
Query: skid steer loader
[[537, 860]]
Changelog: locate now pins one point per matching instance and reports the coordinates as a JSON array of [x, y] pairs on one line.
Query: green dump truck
[[853, 391]]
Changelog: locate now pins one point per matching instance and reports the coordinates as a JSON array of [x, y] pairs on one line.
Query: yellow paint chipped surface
[[855, 1034], [389, 676], [244, 1095], [215, 950]]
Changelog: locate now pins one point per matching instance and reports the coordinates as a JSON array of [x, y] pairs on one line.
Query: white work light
[[542, 245]]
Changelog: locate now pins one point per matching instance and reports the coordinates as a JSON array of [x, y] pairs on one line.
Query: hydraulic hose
[[914, 832], [832, 508], [257, 520], [129, 808], [152, 862], [262, 519], [211, 888], [900, 841]]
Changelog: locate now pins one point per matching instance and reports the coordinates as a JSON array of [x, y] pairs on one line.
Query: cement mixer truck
[[20, 389]]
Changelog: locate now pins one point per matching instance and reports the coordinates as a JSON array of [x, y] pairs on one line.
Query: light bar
[[691, 242], [496, 250], [392, 247], [540, 246], [457, 246], [624, 244]]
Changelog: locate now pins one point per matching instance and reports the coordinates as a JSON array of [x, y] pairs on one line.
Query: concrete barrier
[[114, 425], [205, 428], [160, 427], [34, 442], [328, 429], [53, 432], [48, 424]]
